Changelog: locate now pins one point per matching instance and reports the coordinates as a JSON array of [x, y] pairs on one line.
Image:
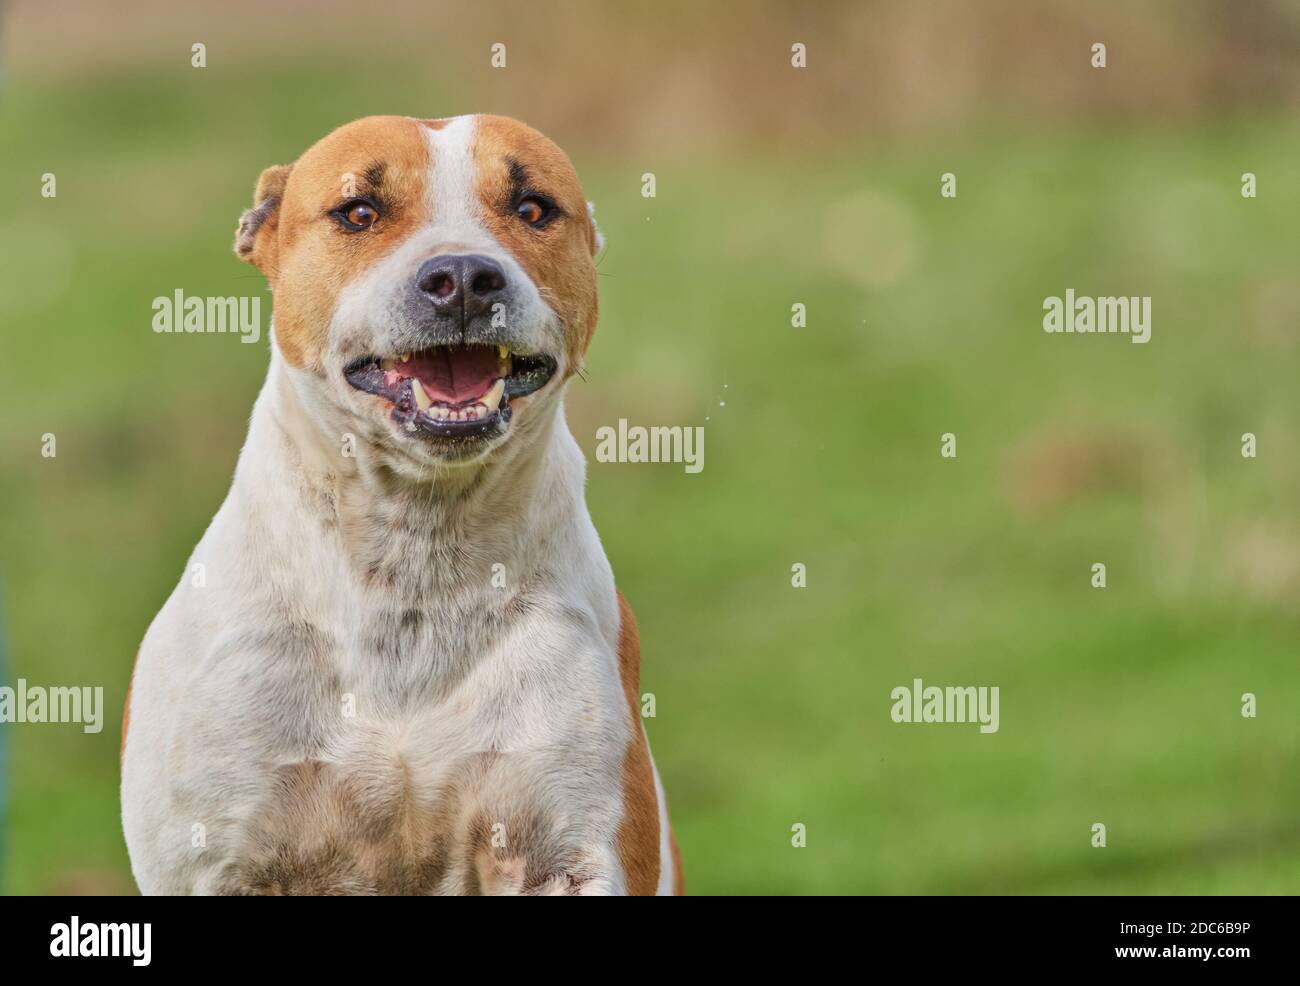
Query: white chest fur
[[361, 702]]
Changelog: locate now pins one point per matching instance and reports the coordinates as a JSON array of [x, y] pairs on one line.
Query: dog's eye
[[534, 211], [357, 215]]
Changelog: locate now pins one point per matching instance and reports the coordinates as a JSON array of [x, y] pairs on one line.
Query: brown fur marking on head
[[557, 257], [303, 251], [290, 236]]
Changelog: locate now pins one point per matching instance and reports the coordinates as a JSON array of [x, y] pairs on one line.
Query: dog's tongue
[[454, 374]]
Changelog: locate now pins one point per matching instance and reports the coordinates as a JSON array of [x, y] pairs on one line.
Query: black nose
[[456, 281]]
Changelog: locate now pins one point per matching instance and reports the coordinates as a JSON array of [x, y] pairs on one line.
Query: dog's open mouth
[[452, 391]]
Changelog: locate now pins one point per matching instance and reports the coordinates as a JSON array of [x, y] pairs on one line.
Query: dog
[[397, 662]]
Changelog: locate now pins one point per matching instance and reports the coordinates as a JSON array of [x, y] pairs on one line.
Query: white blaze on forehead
[[453, 194]]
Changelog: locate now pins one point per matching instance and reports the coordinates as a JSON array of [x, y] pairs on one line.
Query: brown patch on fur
[[638, 835], [126, 713], [679, 879], [558, 257], [327, 831], [304, 253]]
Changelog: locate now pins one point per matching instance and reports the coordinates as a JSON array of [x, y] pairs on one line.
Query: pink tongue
[[454, 374]]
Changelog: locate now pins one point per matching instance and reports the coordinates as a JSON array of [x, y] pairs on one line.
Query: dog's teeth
[[480, 411], [492, 399], [387, 364], [502, 352], [406, 357], [422, 400], [439, 412]]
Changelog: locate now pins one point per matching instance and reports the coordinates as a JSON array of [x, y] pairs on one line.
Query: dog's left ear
[[255, 240], [597, 237]]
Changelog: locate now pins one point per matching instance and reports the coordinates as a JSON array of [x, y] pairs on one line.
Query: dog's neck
[[418, 534]]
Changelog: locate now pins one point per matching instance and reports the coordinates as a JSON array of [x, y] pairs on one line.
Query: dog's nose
[[453, 281]]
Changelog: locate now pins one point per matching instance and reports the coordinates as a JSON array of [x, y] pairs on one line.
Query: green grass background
[[1119, 706]]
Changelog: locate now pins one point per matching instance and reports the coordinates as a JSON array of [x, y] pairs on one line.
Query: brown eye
[[533, 211], [358, 215]]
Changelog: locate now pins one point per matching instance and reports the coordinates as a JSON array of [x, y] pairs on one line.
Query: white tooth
[[406, 357], [422, 400], [439, 411], [492, 399], [502, 352], [480, 411]]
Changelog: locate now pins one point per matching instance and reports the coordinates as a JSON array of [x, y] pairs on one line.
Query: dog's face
[[434, 281]]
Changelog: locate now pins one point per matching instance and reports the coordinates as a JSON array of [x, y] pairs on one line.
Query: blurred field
[[1120, 706]]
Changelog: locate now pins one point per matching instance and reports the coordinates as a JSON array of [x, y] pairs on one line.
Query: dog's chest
[[405, 769]]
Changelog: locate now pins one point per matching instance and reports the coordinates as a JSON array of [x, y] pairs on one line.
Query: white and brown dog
[[406, 668]]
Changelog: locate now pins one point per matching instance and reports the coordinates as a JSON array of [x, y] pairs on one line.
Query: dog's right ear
[[255, 239]]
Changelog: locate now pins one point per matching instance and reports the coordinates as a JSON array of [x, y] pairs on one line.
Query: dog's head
[[434, 280]]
